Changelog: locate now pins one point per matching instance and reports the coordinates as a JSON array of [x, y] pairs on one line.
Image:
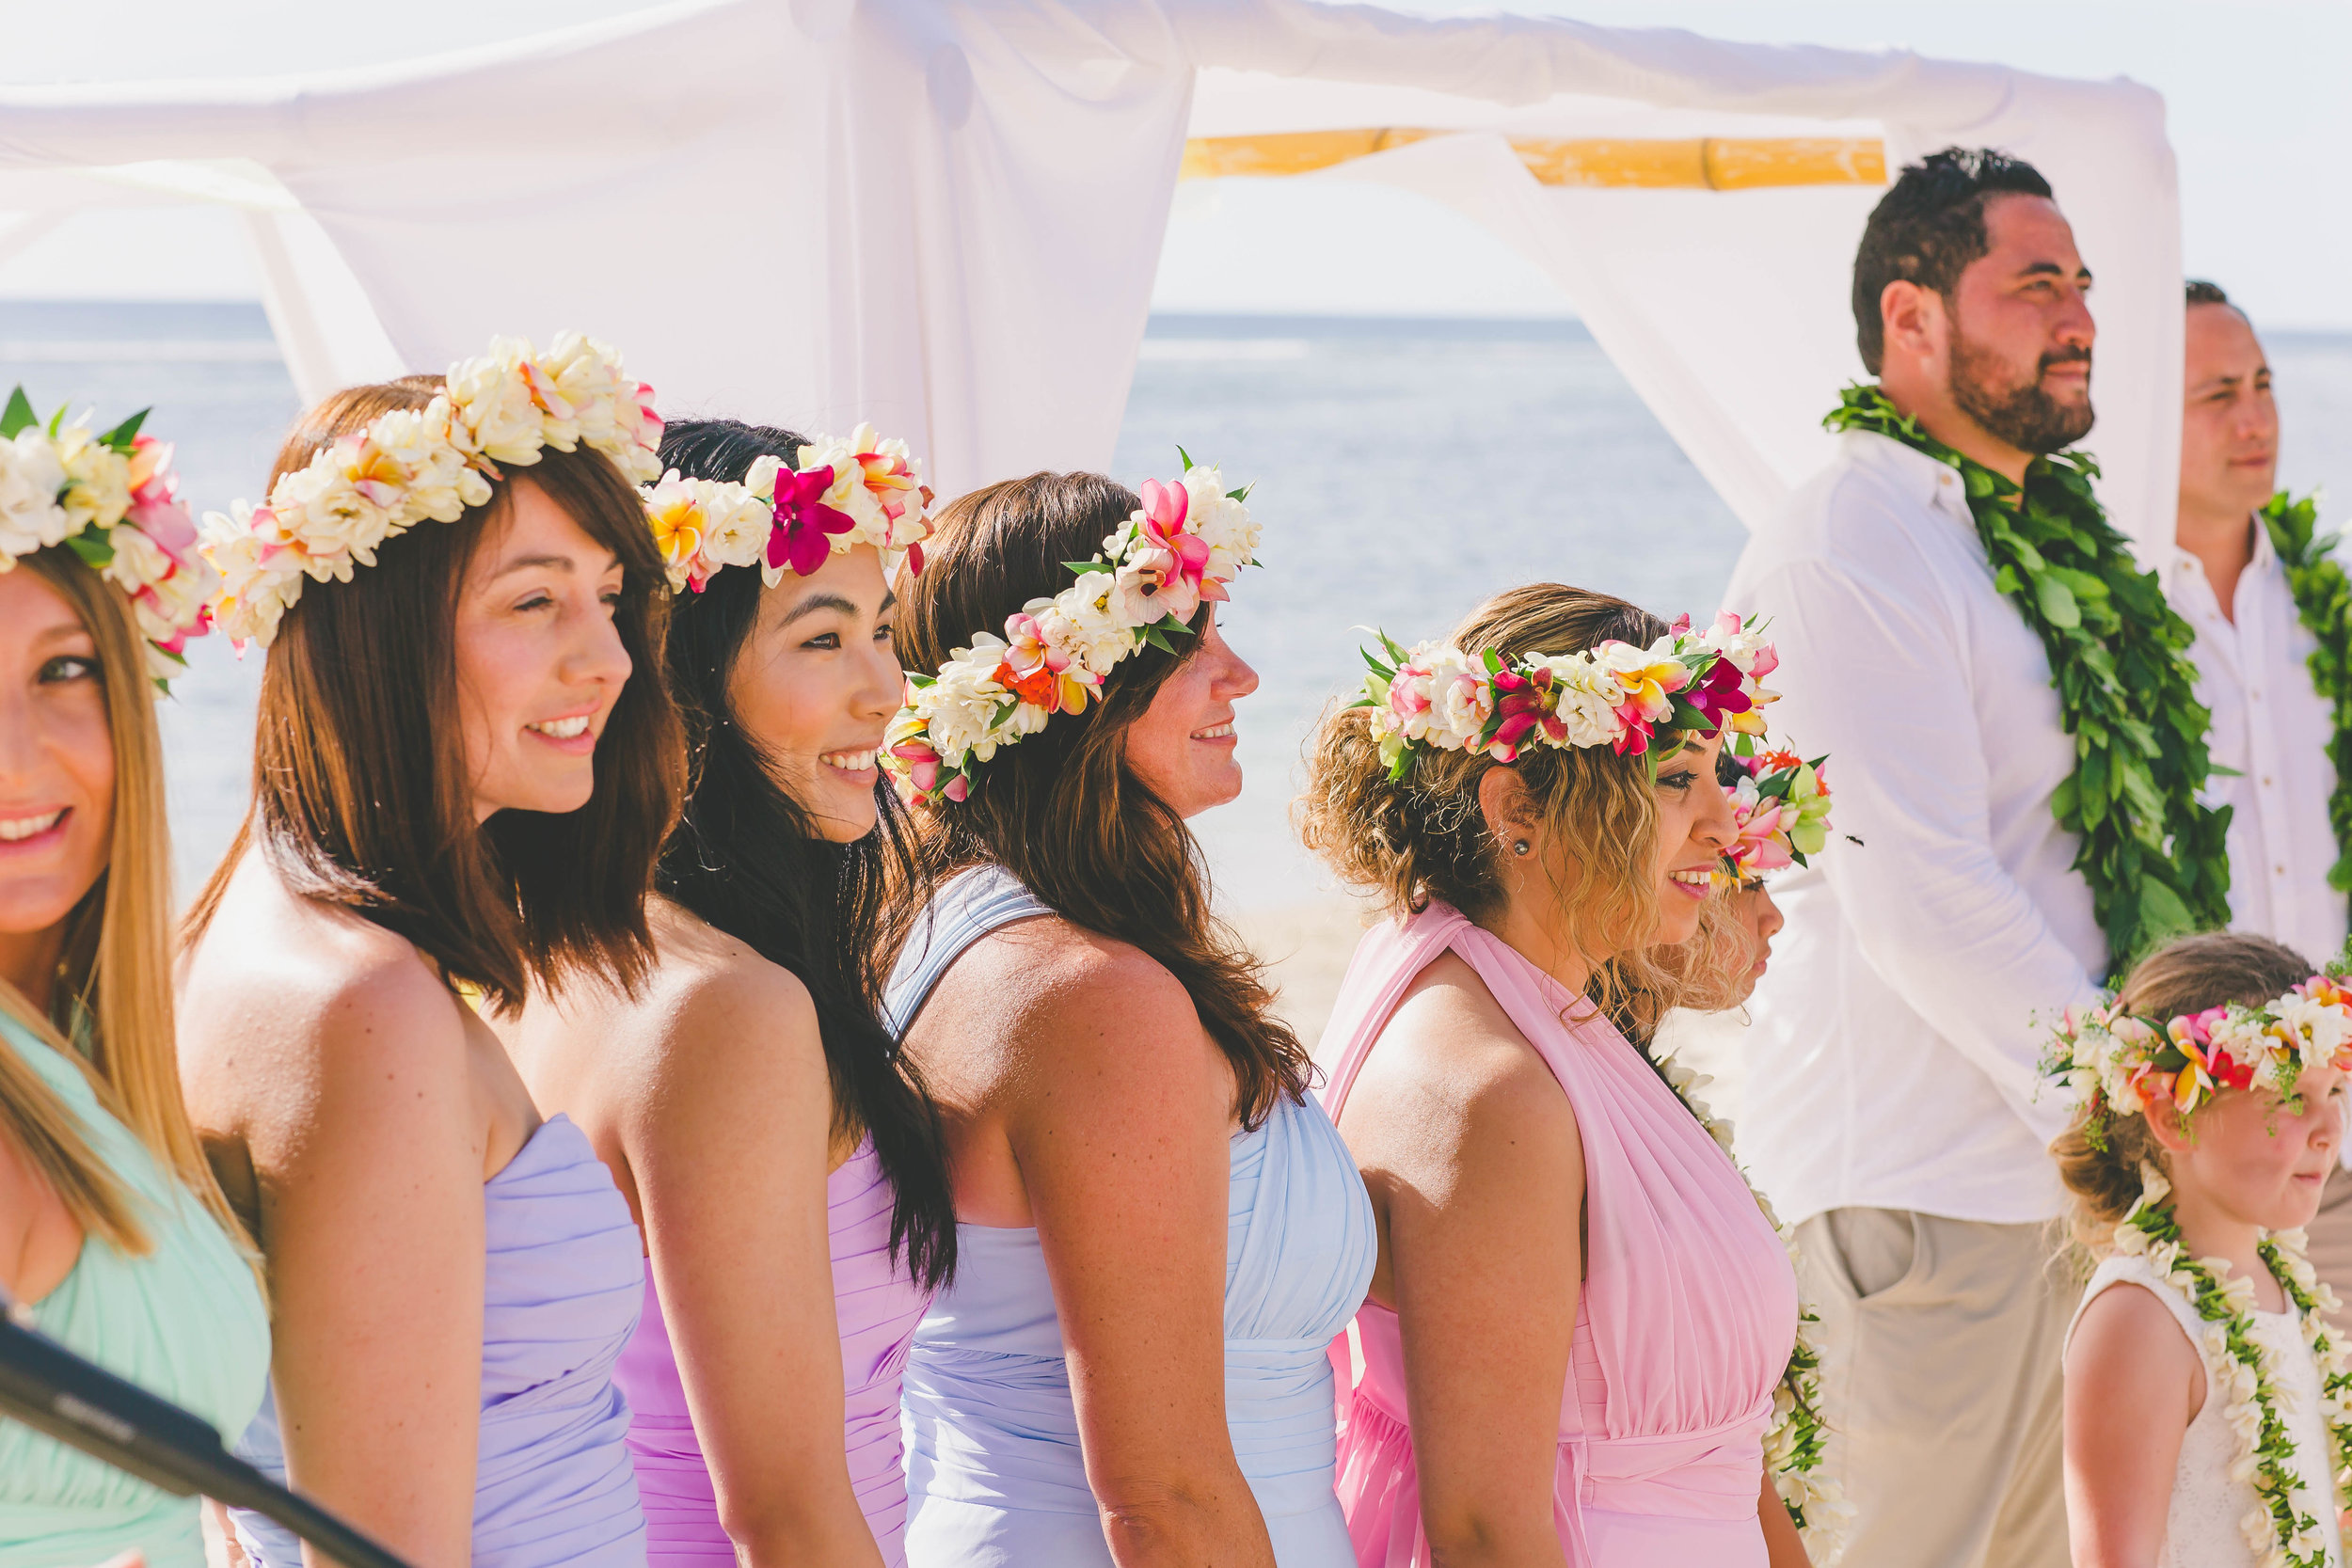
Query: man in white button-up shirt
[[1892, 1109], [2253, 663]]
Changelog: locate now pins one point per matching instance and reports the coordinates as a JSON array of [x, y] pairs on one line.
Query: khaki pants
[[1941, 1342], [2331, 1233]]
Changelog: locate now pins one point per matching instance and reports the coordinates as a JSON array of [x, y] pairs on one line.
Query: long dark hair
[[359, 789], [747, 859], [1062, 811]]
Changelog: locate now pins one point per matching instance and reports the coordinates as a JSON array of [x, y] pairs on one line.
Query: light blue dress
[[996, 1477], [563, 1277]]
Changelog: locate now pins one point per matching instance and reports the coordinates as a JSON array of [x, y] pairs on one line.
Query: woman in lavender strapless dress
[[787, 1169], [459, 792]]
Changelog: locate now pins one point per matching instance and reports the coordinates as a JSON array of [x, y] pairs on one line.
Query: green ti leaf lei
[[2155, 859], [2323, 600]]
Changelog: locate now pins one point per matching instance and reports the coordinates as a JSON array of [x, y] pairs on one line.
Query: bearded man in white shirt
[[1894, 1110], [2253, 654]]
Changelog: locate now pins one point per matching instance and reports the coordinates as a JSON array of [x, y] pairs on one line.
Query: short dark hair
[[2201, 292], [1927, 229]]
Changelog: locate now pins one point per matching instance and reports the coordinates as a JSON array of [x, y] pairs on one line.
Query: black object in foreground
[[52, 1391]]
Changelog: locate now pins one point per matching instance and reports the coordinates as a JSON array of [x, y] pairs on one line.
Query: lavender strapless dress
[[561, 1277], [876, 1306]]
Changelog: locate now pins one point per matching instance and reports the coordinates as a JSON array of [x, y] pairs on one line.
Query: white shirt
[[2270, 723], [1893, 1059]]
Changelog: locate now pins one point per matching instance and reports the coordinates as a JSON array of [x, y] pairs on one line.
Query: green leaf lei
[[2323, 600], [2155, 858]]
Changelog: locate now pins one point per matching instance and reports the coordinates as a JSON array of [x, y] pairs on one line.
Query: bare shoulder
[[1056, 1000], [719, 1011], [2128, 1355], [1451, 1071]]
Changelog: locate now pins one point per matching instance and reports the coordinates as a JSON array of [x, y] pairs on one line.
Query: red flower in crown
[[805, 525]]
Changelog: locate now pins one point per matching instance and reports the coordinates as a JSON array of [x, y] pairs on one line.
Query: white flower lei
[[2236, 1368], [112, 498], [864, 490], [1793, 1448], [1182, 546], [412, 464]]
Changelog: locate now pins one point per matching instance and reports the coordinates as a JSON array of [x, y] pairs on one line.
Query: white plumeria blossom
[[1125, 594], [706, 525], [410, 466], [31, 475]]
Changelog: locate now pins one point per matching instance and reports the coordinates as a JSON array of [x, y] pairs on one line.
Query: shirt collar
[[2262, 563], [1936, 486]]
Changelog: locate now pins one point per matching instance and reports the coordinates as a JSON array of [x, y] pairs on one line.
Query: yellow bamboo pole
[[1693, 163]]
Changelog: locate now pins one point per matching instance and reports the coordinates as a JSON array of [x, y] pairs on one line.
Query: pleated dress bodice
[[876, 1306], [183, 1319], [995, 1474], [564, 1275], [1684, 1322]]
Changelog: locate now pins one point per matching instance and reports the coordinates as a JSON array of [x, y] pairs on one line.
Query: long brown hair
[[1062, 811], [1425, 836], [2185, 975], [110, 1008], [360, 797]]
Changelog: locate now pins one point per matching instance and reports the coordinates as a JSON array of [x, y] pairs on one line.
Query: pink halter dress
[[1683, 1326], [876, 1306]]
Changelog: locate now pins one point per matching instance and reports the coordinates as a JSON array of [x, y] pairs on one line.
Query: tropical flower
[[1180, 547], [1779, 810]]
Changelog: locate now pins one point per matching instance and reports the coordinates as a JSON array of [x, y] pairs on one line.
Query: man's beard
[[2026, 416]]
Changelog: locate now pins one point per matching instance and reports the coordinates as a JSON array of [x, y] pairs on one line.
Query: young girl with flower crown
[[2204, 1389]]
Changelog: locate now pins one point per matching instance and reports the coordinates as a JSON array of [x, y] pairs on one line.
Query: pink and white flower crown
[[1634, 701], [1780, 809], [112, 499], [413, 464], [1184, 544], [864, 490], [2118, 1064]]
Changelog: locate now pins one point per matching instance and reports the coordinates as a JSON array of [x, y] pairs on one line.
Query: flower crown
[[111, 499], [2119, 1064], [1780, 807], [861, 491], [1628, 699], [1182, 546], [413, 464]]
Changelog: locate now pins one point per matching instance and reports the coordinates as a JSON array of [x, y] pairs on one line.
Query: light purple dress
[[876, 1306], [562, 1274]]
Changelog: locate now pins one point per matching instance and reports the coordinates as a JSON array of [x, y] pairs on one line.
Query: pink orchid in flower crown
[[1525, 703], [1170, 567], [801, 537]]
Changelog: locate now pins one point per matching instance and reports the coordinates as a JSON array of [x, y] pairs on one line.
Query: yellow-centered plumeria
[[864, 490], [411, 464]]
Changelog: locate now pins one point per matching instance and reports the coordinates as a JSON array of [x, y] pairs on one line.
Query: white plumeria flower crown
[[844, 493], [112, 498], [1182, 546], [505, 407]]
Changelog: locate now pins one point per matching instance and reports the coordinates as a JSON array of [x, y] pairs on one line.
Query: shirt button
[[2265, 781]]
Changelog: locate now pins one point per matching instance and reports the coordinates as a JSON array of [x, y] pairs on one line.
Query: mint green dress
[[186, 1321]]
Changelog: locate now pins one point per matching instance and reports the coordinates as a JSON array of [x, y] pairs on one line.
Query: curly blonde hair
[[1425, 836], [2101, 1167]]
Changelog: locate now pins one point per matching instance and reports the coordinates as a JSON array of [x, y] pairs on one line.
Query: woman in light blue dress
[[1160, 1232]]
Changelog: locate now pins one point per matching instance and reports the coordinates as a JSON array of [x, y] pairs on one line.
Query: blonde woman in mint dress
[[114, 1239]]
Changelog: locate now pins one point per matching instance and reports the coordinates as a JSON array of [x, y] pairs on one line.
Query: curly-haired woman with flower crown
[[2208, 1400], [1582, 1316], [1159, 1229], [464, 765], [114, 1237], [784, 1164]]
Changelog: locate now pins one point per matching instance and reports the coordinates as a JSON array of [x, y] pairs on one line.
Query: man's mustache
[[2063, 357]]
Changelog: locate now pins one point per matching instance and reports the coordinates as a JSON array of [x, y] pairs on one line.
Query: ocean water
[[1403, 471]]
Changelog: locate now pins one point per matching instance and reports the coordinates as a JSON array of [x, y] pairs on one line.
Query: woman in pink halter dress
[[1580, 1314], [786, 1165]]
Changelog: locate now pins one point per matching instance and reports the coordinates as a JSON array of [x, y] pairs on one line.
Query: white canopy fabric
[[945, 215]]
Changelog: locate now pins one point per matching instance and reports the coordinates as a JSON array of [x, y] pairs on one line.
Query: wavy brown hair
[[2188, 975], [1062, 811], [360, 795], [1425, 837]]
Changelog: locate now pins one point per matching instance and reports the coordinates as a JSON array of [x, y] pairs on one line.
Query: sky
[[2257, 113]]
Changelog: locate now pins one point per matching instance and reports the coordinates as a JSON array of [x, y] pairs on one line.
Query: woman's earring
[[1519, 847]]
